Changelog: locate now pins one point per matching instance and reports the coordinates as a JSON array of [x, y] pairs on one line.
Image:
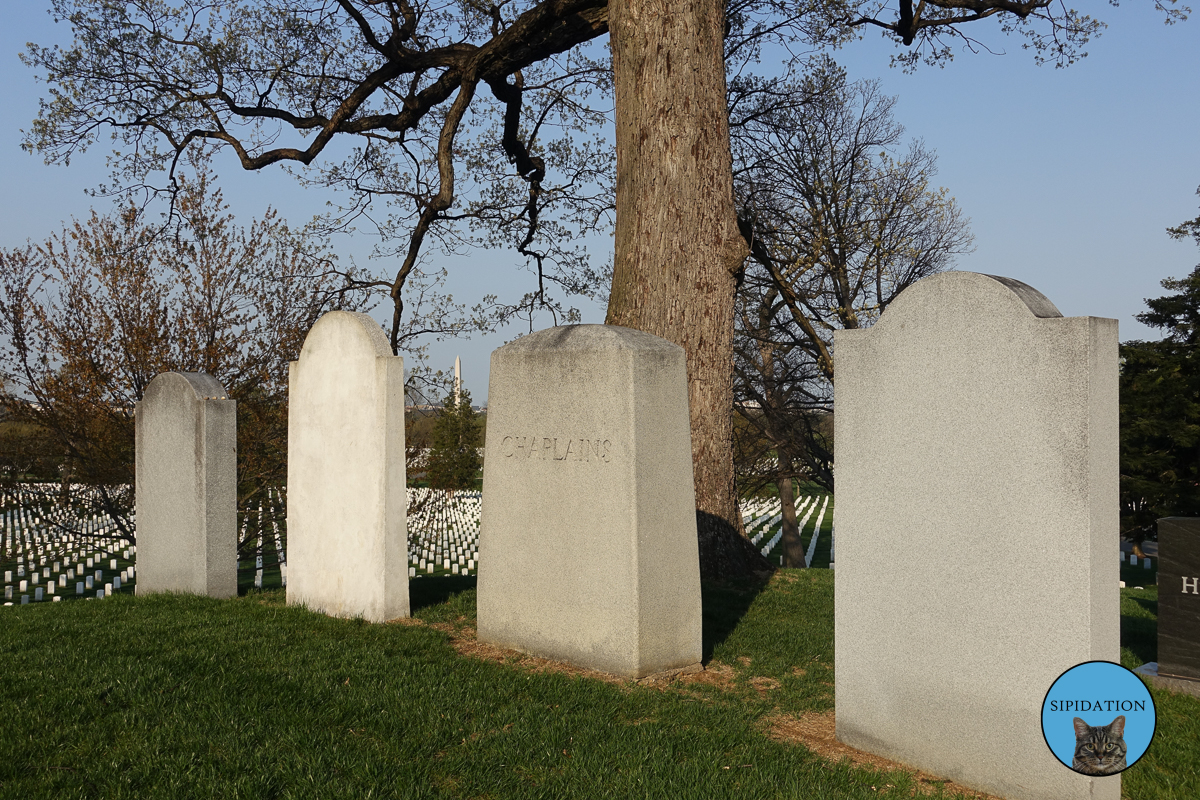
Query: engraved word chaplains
[[559, 449]]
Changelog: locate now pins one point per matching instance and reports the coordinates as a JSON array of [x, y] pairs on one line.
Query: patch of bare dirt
[[817, 732], [715, 674]]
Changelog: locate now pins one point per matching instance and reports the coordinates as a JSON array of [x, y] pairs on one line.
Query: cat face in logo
[[1099, 750]]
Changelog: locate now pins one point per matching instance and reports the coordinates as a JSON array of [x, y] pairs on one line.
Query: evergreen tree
[[454, 458], [1160, 410]]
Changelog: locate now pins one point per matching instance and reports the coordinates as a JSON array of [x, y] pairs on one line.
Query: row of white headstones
[[443, 533], [42, 556], [767, 515], [268, 514], [1133, 562], [443, 538]]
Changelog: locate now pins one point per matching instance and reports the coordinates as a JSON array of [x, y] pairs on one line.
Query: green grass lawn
[[180, 697]]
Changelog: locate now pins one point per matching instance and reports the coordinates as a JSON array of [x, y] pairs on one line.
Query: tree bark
[[793, 545], [678, 250]]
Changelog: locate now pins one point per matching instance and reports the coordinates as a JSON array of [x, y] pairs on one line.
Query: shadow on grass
[[434, 590], [725, 603], [245, 581], [1146, 603], [1139, 631]]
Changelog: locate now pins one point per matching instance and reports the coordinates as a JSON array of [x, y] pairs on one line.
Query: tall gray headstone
[[347, 539], [587, 545], [186, 486], [974, 425]]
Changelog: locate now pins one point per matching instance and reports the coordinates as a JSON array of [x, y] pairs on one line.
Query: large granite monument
[[587, 545], [977, 522]]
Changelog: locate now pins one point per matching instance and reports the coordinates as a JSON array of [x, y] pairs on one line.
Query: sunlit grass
[[175, 697]]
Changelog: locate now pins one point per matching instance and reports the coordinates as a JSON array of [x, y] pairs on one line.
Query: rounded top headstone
[[340, 325], [950, 289], [201, 384], [589, 337]]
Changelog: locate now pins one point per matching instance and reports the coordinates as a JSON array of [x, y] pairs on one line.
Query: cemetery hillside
[[349, 634], [169, 696], [766, 491]]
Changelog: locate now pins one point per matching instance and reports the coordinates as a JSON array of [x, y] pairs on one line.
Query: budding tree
[[481, 120]]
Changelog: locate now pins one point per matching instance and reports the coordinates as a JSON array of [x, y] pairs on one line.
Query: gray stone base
[[1171, 683]]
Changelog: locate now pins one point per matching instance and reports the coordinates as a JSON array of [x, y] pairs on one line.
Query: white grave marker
[[347, 542]]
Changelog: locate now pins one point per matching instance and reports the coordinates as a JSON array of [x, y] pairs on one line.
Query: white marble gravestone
[[587, 543], [347, 545], [975, 428], [186, 484]]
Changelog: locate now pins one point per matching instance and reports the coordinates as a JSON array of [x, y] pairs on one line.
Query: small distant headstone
[[347, 540], [587, 543], [970, 418], [88, 581], [79, 588], [37, 594], [1132, 560], [24, 599], [186, 479]]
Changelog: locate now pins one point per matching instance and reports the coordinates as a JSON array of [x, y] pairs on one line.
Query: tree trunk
[[677, 247], [793, 545]]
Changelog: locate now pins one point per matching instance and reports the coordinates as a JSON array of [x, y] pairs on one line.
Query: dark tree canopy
[[1160, 407]]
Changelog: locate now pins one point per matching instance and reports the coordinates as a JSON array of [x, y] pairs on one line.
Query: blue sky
[[1070, 176]]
